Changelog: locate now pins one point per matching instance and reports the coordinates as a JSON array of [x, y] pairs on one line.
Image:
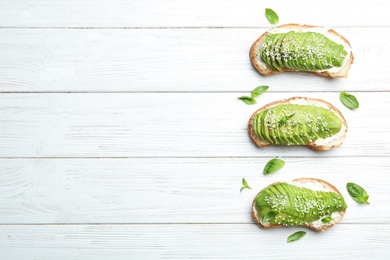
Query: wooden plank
[[199, 60], [190, 241], [172, 190], [167, 125], [192, 13]]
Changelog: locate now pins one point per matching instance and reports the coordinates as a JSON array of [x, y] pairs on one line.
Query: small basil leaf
[[357, 193], [284, 119], [327, 219], [246, 186], [272, 17], [248, 100], [245, 183], [258, 91], [273, 165], [349, 100], [270, 216], [296, 236]]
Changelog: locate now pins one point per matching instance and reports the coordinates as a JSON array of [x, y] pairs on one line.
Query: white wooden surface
[[168, 60], [121, 136]]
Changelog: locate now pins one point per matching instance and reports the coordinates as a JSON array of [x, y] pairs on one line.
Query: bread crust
[[267, 70], [312, 145], [309, 225]]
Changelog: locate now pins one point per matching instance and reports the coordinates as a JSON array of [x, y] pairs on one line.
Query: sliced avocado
[[265, 128], [272, 60], [283, 134], [294, 125], [304, 42], [301, 51], [319, 63], [295, 212], [272, 128], [292, 137], [307, 124], [281, 130], [320, 41], [291, 50], [305, 132], [294, 51], [288, 47], [312, 214], [308, 46], [302, 133], [298, 40], [278, 57], [335, 53], [312, 126], [284, 47], [257, 125], [296, 205], [329, 123], [282, 114], [276, 39], [297, 135], [266, 50], [333, 124], [260, 203], [342, 58], [339, 60], [279, 115], [329, 45], [311, 53]]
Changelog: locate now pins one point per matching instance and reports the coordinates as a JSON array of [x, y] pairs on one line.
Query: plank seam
[[154, 224], [187, 157], [165, 27], [180, 92]]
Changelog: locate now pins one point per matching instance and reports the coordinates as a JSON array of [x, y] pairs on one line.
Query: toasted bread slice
[[313, 184], [334, 72], [319, 144]]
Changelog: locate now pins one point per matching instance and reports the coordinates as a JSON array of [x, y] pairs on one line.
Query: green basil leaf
[[246, 186], [270, 216], [357, 193], [349, 100], [284, 119], [327, 219], [258, 91], [272, 17], [273, 165], [296, 236], [248, 100]]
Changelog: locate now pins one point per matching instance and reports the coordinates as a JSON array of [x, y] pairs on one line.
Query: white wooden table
[[121, 136]]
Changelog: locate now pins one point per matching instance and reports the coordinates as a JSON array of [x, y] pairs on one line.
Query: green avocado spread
[[305, 51], [289, 205], [291, 124]]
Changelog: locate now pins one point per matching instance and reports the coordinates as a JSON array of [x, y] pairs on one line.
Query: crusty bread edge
[[313, 145], [309, 225], [256, 62]]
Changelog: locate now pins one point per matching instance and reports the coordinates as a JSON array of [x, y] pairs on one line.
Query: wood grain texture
[[190, 241], [146, 160], [192, 13], [197, 60], [172, 190], [167, 125]]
